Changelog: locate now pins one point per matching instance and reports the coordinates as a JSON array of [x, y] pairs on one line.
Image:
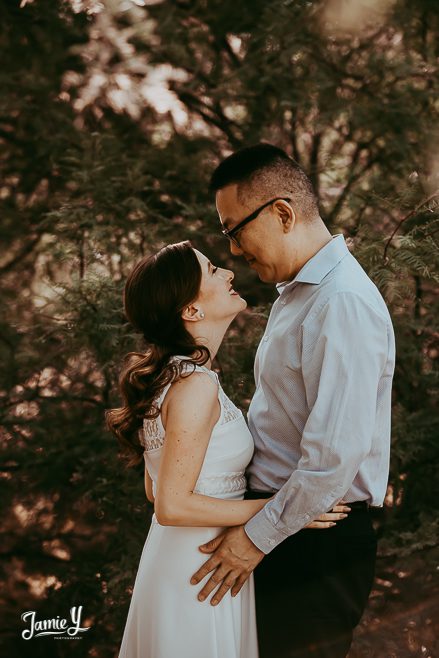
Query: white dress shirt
[[320, 415]]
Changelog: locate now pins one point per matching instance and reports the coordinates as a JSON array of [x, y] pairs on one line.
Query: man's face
[[262, 241]]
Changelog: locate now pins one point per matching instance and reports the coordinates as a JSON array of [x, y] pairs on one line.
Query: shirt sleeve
[[344, 353]]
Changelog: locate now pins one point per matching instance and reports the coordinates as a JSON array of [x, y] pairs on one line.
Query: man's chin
[[265, 277], [262, 273]]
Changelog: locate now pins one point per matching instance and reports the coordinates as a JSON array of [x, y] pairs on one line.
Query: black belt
[[356, 505], [251, 493]]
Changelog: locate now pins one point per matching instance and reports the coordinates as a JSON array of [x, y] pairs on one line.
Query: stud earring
[[201, 314]]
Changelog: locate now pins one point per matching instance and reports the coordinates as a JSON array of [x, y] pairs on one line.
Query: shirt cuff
[[262, 532]]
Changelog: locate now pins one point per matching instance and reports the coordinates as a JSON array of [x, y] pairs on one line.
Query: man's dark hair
[[263, 171]]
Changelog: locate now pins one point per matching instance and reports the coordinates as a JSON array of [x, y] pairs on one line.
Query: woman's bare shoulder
[[194, 393]]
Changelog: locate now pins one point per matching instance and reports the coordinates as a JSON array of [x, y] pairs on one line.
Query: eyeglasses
[[231, 232]]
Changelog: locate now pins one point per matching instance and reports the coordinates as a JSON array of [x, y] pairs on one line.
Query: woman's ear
[[192, 313]]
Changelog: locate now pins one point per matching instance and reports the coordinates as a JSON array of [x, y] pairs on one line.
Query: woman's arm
[[148, 486], [192, 409]]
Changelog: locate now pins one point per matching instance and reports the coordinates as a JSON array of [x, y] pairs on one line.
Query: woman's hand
[[328, 520]]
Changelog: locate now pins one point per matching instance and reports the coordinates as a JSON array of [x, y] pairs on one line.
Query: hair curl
[[156, 291]]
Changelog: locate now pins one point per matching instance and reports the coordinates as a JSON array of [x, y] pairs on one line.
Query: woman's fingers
[[320, 525], [341, 508], [331, 516], [339, 512], [327, 520]]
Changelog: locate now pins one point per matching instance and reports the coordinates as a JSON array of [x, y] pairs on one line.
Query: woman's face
[[216, 298]]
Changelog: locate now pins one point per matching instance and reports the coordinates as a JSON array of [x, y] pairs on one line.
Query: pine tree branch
[[195, 104], [404, 219], [228, 49], [353, 178]]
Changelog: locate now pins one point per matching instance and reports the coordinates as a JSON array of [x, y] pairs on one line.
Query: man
[[320, 415]]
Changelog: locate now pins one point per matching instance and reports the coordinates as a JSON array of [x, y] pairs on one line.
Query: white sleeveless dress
[[165, 618]]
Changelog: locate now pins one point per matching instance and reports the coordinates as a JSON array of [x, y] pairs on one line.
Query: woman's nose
[[228, 275]]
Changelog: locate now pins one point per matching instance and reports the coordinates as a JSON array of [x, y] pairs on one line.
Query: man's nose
[[235, 250]]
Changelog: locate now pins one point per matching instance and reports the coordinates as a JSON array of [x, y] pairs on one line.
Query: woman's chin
[[242, 304], [242, 307], [239, 305]]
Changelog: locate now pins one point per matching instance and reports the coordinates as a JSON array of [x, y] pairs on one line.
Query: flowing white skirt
[[165, 618]]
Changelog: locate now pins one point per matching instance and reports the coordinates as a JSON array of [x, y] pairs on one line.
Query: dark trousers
[[311, 590]]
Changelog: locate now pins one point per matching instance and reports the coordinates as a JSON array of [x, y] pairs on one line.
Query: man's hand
[[233, 560]]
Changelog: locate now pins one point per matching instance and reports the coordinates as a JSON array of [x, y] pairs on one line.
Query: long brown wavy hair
[[157, 290]]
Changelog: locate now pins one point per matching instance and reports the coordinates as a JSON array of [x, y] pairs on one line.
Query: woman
[[183, 306]]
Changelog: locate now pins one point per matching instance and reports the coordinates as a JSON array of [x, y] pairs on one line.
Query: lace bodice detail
[[229, 451], [221, 483], [152, 434], [228, 410]]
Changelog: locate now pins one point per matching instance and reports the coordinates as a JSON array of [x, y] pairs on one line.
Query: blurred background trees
[[113, 115]]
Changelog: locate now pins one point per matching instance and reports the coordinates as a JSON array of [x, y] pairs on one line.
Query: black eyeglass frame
[[231, 232]]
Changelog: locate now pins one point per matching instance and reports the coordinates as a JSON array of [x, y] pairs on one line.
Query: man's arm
[[344, 355]]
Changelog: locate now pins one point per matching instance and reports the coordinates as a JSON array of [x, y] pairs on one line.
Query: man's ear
[[286, 215], [192, 313]]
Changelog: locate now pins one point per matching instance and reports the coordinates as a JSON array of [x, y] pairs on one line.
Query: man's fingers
[[239, 583], [211, 545], [221, 591], [202, 572], [213, 582]]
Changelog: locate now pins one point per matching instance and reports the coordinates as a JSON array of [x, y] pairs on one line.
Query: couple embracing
[[261, 542]]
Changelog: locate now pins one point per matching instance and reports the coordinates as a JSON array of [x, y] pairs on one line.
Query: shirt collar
[[315, 270]]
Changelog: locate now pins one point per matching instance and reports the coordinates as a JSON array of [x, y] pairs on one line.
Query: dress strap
[[212, 374], [189, 367]]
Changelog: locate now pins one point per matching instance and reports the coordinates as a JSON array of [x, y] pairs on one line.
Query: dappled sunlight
[[38, 585], [400, 619], [40, 510], [390, 500], [125, 87], [354, 16], [27, 410], [57, 548]]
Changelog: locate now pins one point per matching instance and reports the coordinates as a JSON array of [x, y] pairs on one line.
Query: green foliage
[[96, 174]]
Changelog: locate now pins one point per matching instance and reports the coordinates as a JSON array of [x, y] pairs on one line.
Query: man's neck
[[314, 239]]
